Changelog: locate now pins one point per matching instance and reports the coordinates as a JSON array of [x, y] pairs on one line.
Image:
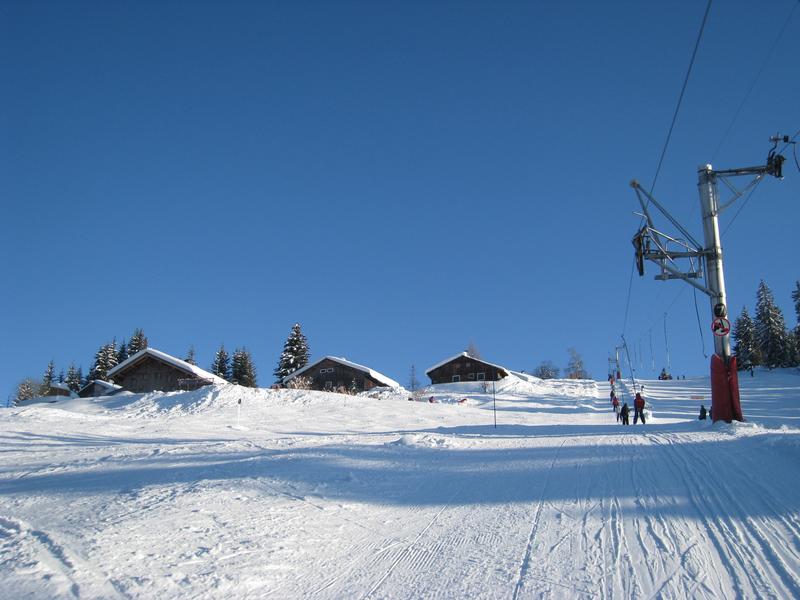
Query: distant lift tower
[[664, 250]]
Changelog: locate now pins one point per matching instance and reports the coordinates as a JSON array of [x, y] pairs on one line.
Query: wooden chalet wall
[[466, 368], [150, 375], [333, 376], [93, 390]]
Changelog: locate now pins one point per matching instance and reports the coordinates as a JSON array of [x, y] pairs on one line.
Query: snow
[[175, 362], [386, 381], [296, 493]]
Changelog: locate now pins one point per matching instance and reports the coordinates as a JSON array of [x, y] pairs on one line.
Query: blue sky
[[401, 178]]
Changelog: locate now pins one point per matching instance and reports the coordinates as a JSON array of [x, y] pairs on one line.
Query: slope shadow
[[439, 467]]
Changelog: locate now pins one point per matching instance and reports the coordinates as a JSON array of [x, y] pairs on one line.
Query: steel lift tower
[[662, 249]]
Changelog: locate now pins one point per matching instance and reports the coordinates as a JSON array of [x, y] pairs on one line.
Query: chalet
[[151, 370], [58, 389], [338, 374], [98, 387], [463, 367]]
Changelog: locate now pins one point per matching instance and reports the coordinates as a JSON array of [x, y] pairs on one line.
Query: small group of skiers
[[623, 412]]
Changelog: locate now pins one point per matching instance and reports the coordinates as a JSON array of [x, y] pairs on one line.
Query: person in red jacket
[[638, 408], [615, 404]]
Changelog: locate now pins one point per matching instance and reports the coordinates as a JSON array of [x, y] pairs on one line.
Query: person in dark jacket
[[638, 408], [702, 416], [623, 413]]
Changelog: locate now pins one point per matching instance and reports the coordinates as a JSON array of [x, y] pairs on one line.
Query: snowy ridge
[[228, 492]]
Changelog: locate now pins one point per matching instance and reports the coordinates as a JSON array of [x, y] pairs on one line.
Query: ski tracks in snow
[[526, 559], [755, 557], [28, 555]]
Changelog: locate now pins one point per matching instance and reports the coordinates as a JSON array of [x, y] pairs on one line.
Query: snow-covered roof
[[171, 360], [379, 377], [57, 385], [107, 385], [480, 360]]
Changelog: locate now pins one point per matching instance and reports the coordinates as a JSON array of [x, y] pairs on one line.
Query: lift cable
[[766, 61], [790, 141], [666, 145], [680, 98]]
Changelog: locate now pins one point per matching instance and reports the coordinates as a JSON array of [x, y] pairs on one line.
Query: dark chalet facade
[[333, 374], [464, 367], [97, 387], [151, 370]]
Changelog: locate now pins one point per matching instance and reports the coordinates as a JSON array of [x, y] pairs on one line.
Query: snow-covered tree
[[770, 329], [295, 354], [26, 389], [48, 378], [105, 359], [190, 356], [575, 368], [472, 350], [243, 371], [122, 353], [138, 342], [745, 343], [73, 378], [796, 300], [221, 366], [546, 370]]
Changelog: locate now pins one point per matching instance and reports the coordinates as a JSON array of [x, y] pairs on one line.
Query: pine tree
[[190, 356], [295, 354], [221, 367], [770, 329], [105, 359], [122, 353], [138, 342], [26, 389], [61, 376], [746, 345], [73, 378], [47, 379], [796, 300], [243, 370], [472, 350]]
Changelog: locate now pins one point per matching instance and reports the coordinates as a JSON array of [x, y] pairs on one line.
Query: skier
[[638, 408], [615, 402], [624, 414], [702, 416]]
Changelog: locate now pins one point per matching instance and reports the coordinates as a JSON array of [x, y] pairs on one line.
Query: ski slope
[[297, 494]]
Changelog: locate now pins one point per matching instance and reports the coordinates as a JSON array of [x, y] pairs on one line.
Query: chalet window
[[481, 376], [456, 378], [471, 376], [328, 385], [469, 364]]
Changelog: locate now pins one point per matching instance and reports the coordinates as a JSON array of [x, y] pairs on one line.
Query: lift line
[[705, 271]]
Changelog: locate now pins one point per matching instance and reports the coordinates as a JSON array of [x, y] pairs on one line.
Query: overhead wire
[[666, 145], [758, 181], [680, 97], [764, 64]]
